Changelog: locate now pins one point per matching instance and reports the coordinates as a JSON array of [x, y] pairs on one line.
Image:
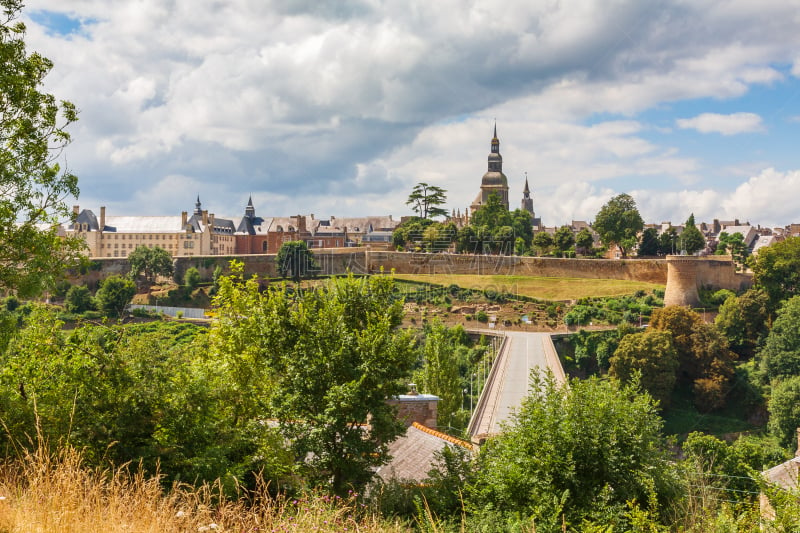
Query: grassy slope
[[537, 287]]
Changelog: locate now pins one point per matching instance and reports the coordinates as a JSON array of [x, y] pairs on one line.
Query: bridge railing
[[483, 399]]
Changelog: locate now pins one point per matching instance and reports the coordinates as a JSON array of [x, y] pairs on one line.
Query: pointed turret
[[198, 208], [527, 201], [250, 211]]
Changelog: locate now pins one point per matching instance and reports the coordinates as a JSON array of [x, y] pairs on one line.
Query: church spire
[[527, 201], [250, 211], [198, 207]]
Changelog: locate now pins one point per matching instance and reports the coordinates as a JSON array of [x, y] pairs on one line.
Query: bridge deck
[[508, 381]]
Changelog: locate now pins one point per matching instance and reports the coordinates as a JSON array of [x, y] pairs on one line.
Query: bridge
[[507, 383]]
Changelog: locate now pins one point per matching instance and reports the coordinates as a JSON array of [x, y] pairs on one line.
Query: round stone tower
[[682, 281]]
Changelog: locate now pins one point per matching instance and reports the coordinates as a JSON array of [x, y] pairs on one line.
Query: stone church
[[495, 182]]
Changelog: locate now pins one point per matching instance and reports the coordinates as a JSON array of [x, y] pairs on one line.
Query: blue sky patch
[[59, 24]]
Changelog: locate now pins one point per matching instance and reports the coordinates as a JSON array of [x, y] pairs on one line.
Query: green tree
[[411, 232], [776, 270], [295, 260], [780, 356], [730, 467], [523, 228], [668, 242], [192, 278], [564, 239], [78, 299], [114, 295], [705, 359], [493, 214], [692, 241], [150, 262], [584, 241], [573, 453], [426, 200], [652, 356], [543, 241], [649, 244], [743, 321], [440, 372], [618, 222], [784, 411], [134, 393], [34, 187], [324, 362]]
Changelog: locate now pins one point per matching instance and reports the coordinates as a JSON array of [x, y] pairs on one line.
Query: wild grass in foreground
[[57, 493]]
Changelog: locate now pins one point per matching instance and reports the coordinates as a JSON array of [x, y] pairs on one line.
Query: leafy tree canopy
[[652, 356], [324, 362], [78, 299], [543, 241], [776, 270], [33, 187], [743, 320], [692, 241], [567, 446], [564, 239], [649, 244], [781, 353], [150, 262], [784, 411], [427, 200], [114, 295], [295, 260], [584, 241], [618, 222]]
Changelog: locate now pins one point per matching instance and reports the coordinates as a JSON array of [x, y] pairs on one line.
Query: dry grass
[[537, 287], [45, 493]]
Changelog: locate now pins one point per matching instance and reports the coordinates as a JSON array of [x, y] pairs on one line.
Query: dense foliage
[[294, 260], [34, 187], [692, 241], [776, 270], [323, 362], [652, 358], [577, 452], [618, 222], [150, 262]]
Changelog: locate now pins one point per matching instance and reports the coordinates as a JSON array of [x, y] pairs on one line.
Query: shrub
[[481, 316], [78, 299]]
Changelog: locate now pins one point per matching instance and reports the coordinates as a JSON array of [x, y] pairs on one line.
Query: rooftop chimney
[[184, 216], [102, 217], [75, 210], [205, 217]]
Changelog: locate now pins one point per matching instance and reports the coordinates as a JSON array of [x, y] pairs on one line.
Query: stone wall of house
[[419, 408]]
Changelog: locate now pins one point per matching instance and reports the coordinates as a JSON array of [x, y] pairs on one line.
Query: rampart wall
[[650, 270], [715, 271]]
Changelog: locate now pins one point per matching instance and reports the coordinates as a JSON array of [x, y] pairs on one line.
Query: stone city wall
[[715, 271], [649, 270]]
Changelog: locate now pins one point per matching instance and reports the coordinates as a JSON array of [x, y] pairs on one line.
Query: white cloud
[[725, 124], [344, 106]]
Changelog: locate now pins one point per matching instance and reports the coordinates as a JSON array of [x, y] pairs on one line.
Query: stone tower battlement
[[682, 281], [685, 275]]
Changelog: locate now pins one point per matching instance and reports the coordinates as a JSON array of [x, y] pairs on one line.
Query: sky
[[341, 107]]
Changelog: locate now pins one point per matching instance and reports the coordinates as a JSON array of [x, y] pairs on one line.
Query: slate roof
[[413, 454], [784, 475], [137, 224]]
